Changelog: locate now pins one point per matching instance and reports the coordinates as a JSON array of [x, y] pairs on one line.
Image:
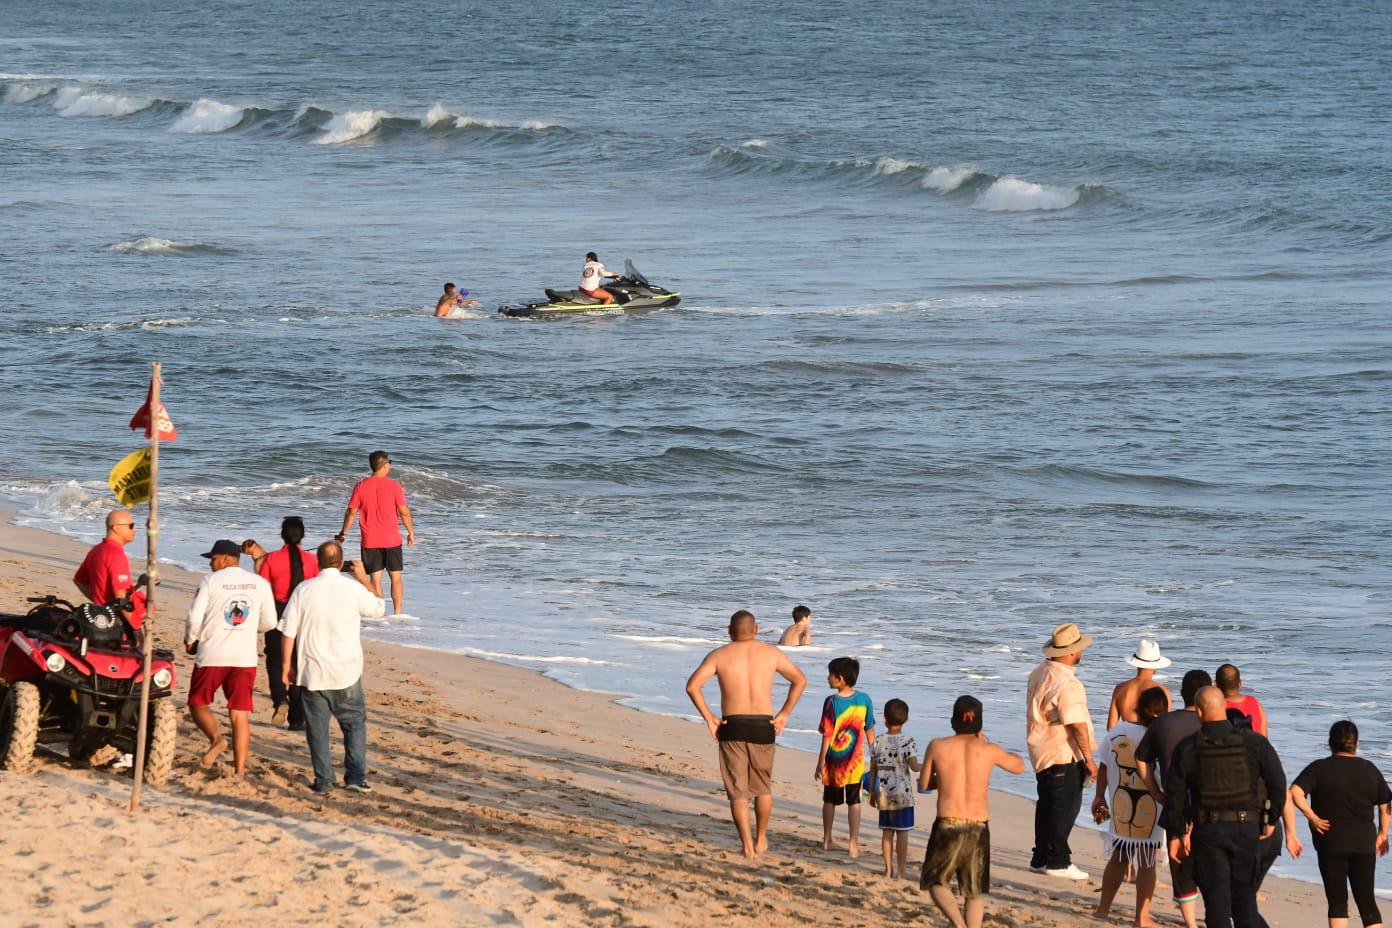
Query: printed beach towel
[[1133, 827]]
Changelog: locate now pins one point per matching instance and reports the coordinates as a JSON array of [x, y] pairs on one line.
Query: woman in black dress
[[1338, 794]]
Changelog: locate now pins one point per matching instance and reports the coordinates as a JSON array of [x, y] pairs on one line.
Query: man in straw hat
[[1058, 732], [1127, 695]]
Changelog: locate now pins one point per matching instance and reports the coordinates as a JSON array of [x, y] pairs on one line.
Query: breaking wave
[[79, 101], [207, 115], [993, 193], [151, 245], [346, 127], [1017, 195]]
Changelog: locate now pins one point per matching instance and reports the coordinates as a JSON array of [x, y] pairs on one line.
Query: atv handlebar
[[50, 600]]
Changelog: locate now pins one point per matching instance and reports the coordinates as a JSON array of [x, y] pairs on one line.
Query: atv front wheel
[[19, 727], [160, 742]]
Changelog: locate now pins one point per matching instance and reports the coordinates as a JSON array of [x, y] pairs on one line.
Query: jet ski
[[633, 293]]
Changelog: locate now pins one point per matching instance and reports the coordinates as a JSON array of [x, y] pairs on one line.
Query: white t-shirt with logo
[[324, 616], [231, 606], [592, 275]]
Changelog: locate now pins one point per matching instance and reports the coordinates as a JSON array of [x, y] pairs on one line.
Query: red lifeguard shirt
[[376, 499], [106, 571], [276, 568], [1251, 707]]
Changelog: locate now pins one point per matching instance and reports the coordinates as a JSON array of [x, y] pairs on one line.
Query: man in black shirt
[[1216, 809]]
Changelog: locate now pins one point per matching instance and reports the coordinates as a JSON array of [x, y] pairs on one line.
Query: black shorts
[[848, 795], [375, 559]]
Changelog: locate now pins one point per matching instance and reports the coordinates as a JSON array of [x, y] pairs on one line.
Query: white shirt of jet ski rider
[[592, 276]]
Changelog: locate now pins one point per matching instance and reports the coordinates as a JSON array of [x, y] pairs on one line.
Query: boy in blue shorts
[[893, 762]]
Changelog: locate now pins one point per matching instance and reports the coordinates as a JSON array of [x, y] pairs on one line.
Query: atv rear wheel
[[160, 741], [19, 727]]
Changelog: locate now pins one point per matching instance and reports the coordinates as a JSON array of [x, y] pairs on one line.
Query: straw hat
[[1066, 640], [1148, 655]]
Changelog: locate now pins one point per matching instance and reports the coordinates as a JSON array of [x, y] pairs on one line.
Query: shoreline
[[575, 806]]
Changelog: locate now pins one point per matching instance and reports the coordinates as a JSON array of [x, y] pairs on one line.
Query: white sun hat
[[1148, 655]]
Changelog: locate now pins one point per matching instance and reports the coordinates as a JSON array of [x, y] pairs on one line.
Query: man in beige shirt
[[1058, 731]]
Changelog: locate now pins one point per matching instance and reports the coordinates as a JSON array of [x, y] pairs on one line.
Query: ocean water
[[995, 316]]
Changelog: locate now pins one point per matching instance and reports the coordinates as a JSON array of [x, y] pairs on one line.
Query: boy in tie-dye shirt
[[848, 732]]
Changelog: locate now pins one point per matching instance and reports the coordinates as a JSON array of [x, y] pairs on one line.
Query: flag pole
[[152, 572]]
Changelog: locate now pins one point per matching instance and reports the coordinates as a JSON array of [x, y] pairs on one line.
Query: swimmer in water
[[451, 300]]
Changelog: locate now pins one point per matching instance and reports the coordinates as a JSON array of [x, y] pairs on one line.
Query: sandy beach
[[500, 797]]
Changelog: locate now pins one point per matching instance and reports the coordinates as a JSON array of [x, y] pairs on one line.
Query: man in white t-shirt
[[324, 618], [231, 608], [592, 278]]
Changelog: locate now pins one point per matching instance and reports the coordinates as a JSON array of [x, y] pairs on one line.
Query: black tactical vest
[[1225, 774]]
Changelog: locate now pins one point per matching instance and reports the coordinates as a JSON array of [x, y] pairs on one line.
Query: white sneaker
[[1070, 872]]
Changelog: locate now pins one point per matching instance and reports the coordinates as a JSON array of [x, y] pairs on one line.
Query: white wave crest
[[345, 127], [24, 93], [208, 116], [946, 180], [885, 167], [537, 125], [1017, 195], [78, 101], [470, 122], [151, 245], [754, 143], [434, 116]]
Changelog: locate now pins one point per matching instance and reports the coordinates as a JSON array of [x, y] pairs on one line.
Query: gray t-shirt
[[1162, 737]]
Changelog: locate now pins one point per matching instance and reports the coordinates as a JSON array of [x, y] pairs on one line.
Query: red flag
[[141, 419]]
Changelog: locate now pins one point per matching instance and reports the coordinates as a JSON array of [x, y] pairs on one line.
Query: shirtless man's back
[[959, 846], [800, 632], [1126, 697], [745, 669]]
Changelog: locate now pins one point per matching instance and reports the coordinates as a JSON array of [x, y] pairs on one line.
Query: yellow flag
[[130, 478]]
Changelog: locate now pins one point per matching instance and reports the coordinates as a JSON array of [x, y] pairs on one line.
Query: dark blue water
[[993, 318]]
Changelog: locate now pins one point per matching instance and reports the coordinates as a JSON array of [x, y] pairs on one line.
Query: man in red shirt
[[380, 501], [105, 574]]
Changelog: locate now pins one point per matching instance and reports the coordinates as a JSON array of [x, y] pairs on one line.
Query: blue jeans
[[350, 708], [1060, 799]]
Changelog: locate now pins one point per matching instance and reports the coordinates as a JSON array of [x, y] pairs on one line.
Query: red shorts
[[236, 684]]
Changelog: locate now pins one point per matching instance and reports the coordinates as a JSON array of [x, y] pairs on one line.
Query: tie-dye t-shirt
[[845, 720]]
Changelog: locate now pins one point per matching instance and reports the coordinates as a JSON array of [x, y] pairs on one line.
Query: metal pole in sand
[[152, 572]]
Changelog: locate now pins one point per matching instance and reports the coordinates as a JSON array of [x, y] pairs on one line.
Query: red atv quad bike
[[72, 674]]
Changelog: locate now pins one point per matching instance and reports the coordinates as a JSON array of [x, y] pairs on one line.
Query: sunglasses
[[123, 525]]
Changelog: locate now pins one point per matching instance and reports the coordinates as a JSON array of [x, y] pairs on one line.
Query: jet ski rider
[[592, 275]]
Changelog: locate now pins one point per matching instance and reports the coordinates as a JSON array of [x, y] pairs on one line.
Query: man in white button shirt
[[324, 618]]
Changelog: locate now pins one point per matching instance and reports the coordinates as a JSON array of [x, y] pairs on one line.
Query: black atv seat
[[42, 621]]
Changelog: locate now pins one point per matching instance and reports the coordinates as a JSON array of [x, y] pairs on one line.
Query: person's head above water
[[591, 256], [742, 626], [378, 460], [449, 288], [1212, 704], [800, 613]]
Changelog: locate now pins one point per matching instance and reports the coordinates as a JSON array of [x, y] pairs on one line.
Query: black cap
[[966, 715], [225, 546]]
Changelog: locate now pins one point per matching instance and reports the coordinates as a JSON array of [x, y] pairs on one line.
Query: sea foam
[[1017, 195], [208, 116]]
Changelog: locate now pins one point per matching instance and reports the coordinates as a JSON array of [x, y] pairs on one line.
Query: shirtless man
[[960, 843], [800, 632], [451, 300], [746, 731], [1126, 697]]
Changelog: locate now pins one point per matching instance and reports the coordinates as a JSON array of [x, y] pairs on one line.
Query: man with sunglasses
[[105, 574]]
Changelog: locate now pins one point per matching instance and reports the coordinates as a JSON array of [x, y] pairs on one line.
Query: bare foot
[[212, 753], [854, 851], [1101, 913], [748, 852], [826, 844], [761, 845], [887, 874]]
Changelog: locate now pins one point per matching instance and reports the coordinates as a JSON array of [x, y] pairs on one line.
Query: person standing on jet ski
[[592, 276]]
